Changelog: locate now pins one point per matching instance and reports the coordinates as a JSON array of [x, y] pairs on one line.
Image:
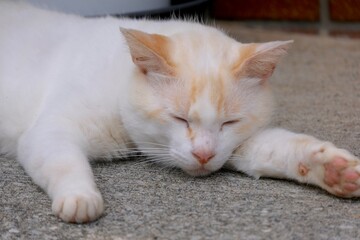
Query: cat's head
[[198, 95]]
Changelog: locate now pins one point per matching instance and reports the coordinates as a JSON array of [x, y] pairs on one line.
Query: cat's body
[[74, 89], [95, 47]]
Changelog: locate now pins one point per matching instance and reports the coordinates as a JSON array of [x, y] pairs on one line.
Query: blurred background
[[326, 17]]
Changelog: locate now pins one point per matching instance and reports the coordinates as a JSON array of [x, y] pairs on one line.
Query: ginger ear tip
[[124, 30], [287, 43]]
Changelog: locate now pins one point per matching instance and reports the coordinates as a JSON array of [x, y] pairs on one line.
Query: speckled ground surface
[[317, 87]]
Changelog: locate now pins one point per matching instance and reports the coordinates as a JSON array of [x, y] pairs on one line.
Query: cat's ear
[[150, 52], [259, 60]]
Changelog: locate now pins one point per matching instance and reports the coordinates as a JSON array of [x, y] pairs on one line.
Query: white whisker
[[152, 143]]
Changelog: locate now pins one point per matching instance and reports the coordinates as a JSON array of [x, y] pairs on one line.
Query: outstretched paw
[[336, 170], [80, 207]]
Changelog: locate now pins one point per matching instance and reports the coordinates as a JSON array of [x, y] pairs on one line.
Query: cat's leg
[[55, 160], [282, 154]]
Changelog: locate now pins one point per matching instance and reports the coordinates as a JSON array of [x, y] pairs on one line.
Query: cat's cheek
[[219, 161], [180, 150], [181, 154]]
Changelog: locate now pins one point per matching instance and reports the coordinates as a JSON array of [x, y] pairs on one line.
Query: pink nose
[[202, 156]]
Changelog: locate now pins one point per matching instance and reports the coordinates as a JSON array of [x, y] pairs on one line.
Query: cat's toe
[[78, 208]]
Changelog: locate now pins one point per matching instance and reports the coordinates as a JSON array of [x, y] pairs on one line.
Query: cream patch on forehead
[[202, 110]]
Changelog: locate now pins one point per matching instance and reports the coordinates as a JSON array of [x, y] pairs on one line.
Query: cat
[[184, 94]]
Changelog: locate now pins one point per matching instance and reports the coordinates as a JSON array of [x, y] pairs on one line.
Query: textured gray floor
[[318, 92]]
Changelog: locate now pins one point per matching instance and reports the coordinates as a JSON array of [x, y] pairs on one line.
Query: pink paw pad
[[339, 174], [350, 187], [350, 175]]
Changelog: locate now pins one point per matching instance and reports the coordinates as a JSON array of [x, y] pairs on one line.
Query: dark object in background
[[298, 10], [178, 8], [344, 10]]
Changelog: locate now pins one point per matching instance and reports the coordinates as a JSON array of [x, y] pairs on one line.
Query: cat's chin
[[200, 172]]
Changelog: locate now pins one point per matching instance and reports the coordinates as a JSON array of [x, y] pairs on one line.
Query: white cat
[[186, 95]]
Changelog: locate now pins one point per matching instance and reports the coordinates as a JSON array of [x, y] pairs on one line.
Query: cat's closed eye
[[181, 120], [230, 122]]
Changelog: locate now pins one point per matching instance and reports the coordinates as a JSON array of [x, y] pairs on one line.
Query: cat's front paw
[[80, 207], [336, 170]]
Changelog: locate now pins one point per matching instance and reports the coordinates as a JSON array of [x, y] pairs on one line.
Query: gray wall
[[100, 7]]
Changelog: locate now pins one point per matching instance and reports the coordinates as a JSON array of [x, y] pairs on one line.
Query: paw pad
[[341, 177]]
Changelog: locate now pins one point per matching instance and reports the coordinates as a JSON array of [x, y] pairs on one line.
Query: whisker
[[132, 151], [167, 167], [152, 143], [136, 150], [181, 157], [160, 159], [165, 161], [150, 155]]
